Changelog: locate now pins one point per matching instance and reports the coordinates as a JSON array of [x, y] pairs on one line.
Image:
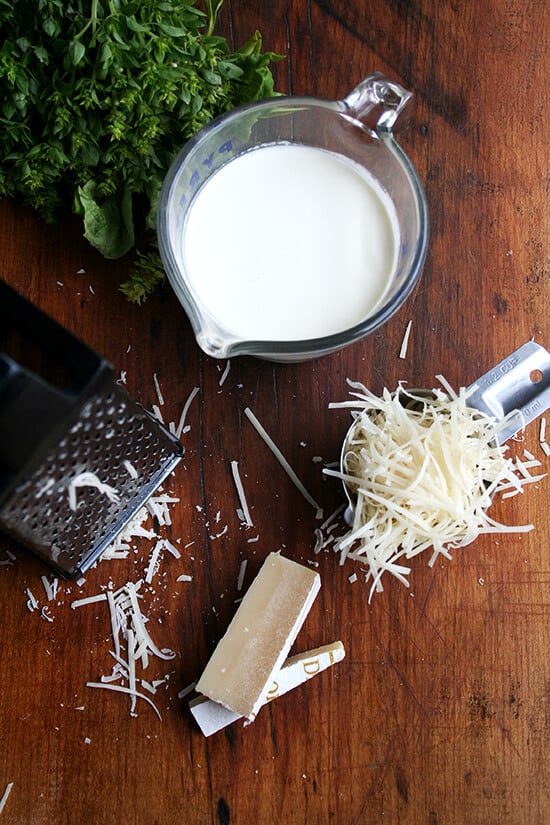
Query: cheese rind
[[212, 717], [257, 641]]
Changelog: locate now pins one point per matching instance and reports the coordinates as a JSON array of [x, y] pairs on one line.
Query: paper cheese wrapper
[[212, 717]]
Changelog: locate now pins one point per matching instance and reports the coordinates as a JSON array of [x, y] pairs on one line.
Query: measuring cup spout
[[379, 105]]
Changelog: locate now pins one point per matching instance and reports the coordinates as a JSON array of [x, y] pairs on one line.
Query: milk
[[289, 242]]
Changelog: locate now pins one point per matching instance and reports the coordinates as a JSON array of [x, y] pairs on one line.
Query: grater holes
[[110, 430]]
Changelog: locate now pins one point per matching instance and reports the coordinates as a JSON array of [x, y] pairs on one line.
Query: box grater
[[63, 416]]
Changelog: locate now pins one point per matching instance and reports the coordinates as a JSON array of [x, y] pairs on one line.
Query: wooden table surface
[[440, 712]]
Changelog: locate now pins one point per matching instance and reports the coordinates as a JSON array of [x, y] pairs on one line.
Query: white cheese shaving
[[224, 374], [45, 614], [101, 597], [186, 690], [158, 390], [157, 413], [153, 565], [223, 531], [282, 461], [122, 689], [130, 469], [171, 549], [405, 341], [181, 426], [88, 479], [4, 799], [247, 519], [242, 571], [422, 474], [32, 604], [131, 640], [46, 487], [50, 588]]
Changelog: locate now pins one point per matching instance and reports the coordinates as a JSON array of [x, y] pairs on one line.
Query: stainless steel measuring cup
[[515, 391]]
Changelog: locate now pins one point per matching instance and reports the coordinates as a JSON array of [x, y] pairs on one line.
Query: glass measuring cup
[[360, 129]]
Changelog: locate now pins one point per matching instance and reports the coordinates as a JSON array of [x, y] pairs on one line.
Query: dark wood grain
[[439, 715]]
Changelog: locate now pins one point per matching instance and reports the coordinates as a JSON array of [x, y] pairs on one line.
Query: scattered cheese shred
[[242, 571], [422, 473], [122, 689], [130, 469], [247, 519], [186, 690], [153, 565], [224, 374], [5, 795], [88, 479], [50, 588], [181, 426], [405, 341], [32, 604], [158, 390], [157, 413], [282, 460], [101, 597], [131, 640]]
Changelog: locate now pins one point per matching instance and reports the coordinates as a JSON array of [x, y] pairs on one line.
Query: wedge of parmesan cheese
[[257, 642], [212, 717]]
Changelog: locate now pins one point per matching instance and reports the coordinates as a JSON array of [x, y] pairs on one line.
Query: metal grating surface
[[111, 429]]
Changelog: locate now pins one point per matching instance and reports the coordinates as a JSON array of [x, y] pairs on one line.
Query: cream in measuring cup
[[294, 226], [288, 242]]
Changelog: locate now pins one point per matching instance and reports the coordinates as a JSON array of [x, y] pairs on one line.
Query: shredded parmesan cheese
[[50, 588], [122, 689], [5, 795], [186, 690], [224, 374], [157, 413], [247, 519], [158, 390], [242, 571], [181, 428], [421, 473], [130, 469], [282, 461], [131, 641], [88, 479], [32, 604], [405, 342]]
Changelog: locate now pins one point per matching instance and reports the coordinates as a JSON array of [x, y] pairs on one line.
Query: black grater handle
[[46, 374]]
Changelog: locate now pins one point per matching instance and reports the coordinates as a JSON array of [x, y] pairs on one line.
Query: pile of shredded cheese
[[131, 640], [421, 473]]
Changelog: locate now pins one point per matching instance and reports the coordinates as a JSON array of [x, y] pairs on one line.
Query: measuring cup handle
[[516, 390], [380, 105]]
